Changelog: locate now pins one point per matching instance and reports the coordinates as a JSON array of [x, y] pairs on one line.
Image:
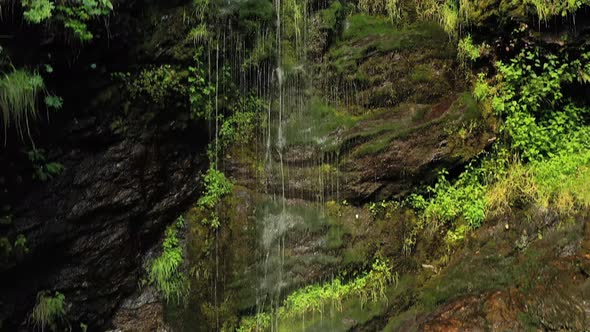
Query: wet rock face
[[88, 229]]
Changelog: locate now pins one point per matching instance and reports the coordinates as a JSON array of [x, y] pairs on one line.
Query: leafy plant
[[165, 271], [559, 183], [200, 90], [539, 119], [548, 8], [37, 10], [467, 51], [158, 85], [239, 127], [43, 170], [54, 102], [216, 186], [21, 243], [74, 15], [49, 311], [463, 199]]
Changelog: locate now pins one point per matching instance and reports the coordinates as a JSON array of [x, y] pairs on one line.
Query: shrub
[[539, 118]]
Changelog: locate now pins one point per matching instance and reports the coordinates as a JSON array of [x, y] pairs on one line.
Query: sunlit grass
[[18, 100]]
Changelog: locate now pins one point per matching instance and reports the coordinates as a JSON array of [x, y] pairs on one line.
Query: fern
[[165, 271]]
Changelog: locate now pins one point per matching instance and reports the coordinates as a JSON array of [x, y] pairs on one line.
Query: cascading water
[[295, 176]]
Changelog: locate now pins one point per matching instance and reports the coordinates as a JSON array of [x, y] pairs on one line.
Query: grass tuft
[[49, 310], [18, 100]]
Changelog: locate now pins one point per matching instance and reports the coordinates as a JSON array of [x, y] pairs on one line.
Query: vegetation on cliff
[[473, 102]]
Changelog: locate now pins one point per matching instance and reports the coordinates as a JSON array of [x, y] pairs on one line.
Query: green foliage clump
[[548, 8], [547, 135], [21, 243], [199, 34], [560, 183], [253, 15], [461, 204], [73, 14], [43, 170], [18, 100], [314, 298], [481, 89], [391, 8], [76, 18], [157, 84], [539, 119], [37, 10], [216, 186], [49, 311], [200, 89], [449, 17], [239, 127], [54, 102], [165, 271], [467, 51]]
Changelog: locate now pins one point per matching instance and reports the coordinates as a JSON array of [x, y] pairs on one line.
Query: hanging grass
[[49, 311], [18, 100]]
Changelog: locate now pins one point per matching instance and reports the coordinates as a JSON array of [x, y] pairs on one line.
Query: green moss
[[331, 16], [468, 106], [365, 33], [254, 14], [422, 73], [335, 237], [374, 146], [315, 124], [356, 255]]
